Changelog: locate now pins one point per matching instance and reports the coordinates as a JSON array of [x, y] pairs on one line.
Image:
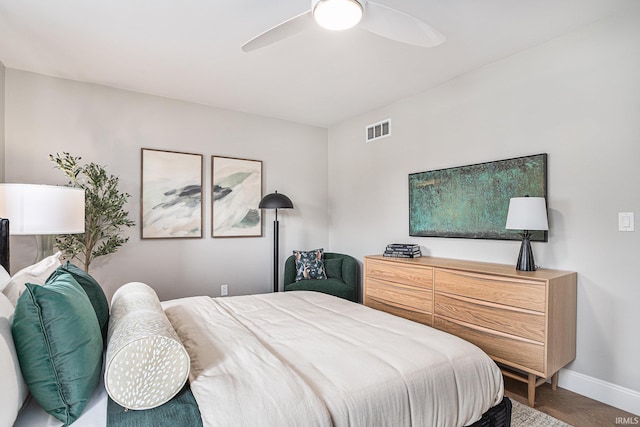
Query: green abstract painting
[[472, 201]]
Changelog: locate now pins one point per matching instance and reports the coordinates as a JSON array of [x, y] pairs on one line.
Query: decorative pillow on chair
[[37, 274], [309, 265], [59, 346]]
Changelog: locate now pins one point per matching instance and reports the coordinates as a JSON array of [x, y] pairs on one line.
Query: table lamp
[[42, 210], [527, 213]]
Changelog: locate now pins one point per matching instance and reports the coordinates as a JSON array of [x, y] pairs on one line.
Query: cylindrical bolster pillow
[[146, 364]]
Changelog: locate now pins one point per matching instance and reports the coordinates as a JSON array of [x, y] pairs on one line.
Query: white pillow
[[13, 391], [4, 278], [37, 274], [146, 363]]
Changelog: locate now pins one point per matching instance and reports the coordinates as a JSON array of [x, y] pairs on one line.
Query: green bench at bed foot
[[342, 277]]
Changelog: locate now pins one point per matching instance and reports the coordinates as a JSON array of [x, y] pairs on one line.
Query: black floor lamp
[[275, 201]]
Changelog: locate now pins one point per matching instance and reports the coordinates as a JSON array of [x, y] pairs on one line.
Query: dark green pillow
[[93, 290], [59, 345], [333, 267]]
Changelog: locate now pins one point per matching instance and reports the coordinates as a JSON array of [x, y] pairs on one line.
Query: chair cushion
[[333, 267], [333, 287], [59, 345], [309, 265]]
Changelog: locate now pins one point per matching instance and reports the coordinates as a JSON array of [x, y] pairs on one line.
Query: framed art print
[[171, 199], [472, 201], [236, 194]]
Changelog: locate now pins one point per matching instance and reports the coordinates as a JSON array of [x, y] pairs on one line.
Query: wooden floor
[[572, 408]]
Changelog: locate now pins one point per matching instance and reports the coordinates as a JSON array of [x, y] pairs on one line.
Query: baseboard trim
[[603, 391]]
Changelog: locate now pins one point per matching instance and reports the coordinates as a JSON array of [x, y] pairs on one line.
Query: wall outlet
[[224, 290]]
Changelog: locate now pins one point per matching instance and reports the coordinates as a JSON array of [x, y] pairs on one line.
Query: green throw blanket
[[182, 410]]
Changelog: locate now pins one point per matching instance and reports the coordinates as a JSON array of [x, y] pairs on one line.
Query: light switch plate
[[625, 221]]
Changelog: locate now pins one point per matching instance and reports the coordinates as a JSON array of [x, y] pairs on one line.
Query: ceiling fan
[[343, 14]]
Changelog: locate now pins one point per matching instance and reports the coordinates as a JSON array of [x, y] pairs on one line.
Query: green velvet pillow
[[333, 267], [93, 290], [59, 345], [309, 265]]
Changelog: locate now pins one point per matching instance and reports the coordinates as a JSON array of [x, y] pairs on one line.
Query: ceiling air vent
[[378, 130]]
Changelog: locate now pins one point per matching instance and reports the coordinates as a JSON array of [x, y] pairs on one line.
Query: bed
[[310, 359]]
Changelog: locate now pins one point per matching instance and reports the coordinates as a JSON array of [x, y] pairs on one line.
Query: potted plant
[[105, 217]]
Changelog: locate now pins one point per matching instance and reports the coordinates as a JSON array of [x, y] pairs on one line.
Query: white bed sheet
[[305, 358]]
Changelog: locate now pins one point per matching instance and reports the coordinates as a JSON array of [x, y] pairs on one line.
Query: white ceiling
[[190, 49]]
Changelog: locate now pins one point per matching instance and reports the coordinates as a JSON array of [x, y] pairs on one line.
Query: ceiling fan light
[[337, 14]]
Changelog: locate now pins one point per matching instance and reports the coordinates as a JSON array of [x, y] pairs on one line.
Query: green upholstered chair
[[342, 277]]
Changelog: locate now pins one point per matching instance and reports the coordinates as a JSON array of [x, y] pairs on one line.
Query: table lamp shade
[[527, 213], [42, 209]]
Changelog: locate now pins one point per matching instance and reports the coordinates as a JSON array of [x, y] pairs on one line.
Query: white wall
[[108, 126], [576, 98]]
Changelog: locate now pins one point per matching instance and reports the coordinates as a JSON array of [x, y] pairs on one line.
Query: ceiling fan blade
[[279, 32], [399, 26]]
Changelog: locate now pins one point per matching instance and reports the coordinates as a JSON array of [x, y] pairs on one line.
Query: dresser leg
[[531, 392], [554, 381]]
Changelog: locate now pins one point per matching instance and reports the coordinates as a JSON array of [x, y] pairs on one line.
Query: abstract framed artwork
[[171, 194], [472, 201], [236, 194]]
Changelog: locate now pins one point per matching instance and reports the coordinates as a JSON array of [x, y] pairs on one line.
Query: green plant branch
[[105, 217]]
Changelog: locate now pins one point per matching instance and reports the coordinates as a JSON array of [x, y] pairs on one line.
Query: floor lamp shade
[[275, 201], [527, 213], [42, 210]]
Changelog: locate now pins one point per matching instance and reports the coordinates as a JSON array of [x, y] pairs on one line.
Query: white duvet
[[310, 359]]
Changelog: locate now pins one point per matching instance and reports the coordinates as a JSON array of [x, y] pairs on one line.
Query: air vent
[[378, 130]]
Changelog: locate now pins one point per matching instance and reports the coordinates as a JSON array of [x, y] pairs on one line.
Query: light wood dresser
[[525, 321]]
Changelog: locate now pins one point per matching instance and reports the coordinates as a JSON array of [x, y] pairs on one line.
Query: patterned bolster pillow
[[146, 364]]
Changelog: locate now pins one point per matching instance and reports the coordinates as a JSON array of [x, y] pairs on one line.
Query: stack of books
[[402, 250]]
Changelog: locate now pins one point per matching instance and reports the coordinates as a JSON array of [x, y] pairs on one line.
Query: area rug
[[525, 416]]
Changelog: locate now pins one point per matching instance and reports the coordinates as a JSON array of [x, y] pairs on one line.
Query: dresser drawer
[[400, 273], [522, 293], [397, 310], [407, 296], [512, 351], [513, 321]]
